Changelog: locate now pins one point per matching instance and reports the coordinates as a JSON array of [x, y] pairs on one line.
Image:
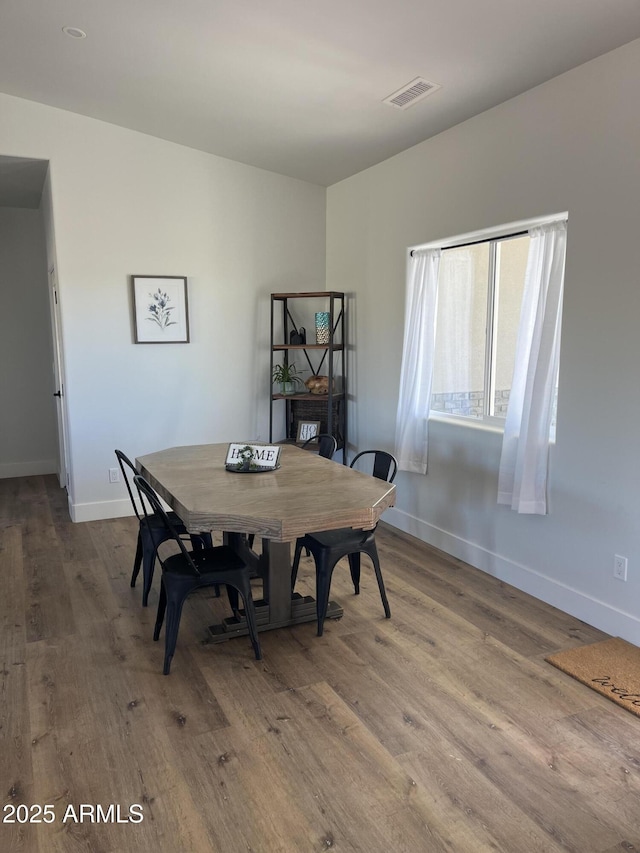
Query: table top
[[306, 493]]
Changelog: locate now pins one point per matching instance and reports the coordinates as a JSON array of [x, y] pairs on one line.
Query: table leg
[[278, 580], [279, 608]]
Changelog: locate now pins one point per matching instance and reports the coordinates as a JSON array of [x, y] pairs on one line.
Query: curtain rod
[[477, 242]]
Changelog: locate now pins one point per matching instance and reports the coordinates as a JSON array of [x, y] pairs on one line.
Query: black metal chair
[[330, 546], [186, 571], [327, 444], [152, 532]]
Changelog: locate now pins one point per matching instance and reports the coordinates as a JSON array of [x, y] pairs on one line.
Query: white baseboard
[[603, 616], [28, 469], [100, 510]]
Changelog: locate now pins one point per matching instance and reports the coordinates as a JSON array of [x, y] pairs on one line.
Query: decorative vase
[[322, 327], [287, 388]]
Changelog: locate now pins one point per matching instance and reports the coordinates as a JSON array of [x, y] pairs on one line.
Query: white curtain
[[417, 360], [522, 482]]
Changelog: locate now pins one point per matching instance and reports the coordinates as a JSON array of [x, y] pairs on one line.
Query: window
[[480, 289], [487, 324]]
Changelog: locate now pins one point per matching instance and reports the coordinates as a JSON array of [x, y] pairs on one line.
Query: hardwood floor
[[441, 729]]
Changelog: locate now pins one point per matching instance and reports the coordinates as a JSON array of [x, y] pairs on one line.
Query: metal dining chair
[[327, 444], [330, 546], [187, 571], [151, 531]]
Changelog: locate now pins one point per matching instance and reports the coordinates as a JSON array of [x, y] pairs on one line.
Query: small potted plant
[[286, 375]]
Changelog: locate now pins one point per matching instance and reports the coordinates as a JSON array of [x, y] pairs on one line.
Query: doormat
[[611, 667]]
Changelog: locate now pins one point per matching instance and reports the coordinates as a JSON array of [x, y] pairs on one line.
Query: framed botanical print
[[160, 309]]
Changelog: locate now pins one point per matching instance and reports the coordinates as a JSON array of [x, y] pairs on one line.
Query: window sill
[[496, 427]]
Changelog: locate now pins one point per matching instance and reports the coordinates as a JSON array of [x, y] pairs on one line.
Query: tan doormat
[[612, 667]]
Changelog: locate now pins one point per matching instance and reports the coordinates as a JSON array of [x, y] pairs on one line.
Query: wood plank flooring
[[441, 729]]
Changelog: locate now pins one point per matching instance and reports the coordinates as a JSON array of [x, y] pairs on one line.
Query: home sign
[[263, 456]]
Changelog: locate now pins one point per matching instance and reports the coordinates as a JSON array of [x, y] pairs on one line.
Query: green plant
[[286, 373], [245, 459]]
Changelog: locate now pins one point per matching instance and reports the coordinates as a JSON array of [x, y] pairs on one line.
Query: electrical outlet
[[114, 475], [620, 567]]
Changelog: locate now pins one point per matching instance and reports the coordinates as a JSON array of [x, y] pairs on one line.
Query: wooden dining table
[[306, 493]]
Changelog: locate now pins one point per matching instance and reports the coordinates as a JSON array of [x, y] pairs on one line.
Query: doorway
[[32, 440]]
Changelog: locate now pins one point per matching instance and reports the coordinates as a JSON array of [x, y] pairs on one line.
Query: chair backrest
[[128, 471], [327, 444], [158, 510], [385, 466]]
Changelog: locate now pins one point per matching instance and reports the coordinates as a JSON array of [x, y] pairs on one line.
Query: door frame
[[59, 380]]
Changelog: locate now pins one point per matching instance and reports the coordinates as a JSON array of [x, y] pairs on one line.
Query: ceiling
[[296, 86]]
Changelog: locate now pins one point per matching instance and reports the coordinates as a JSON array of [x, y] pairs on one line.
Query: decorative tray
[[257, 469]]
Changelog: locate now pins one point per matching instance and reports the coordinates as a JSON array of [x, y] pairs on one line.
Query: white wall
[[570, 144], [125, 203], [28, 443]]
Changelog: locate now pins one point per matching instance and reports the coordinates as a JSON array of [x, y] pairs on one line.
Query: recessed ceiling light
[[74, 32]]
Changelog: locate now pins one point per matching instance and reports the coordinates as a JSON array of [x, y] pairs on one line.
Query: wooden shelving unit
[[322, 359]]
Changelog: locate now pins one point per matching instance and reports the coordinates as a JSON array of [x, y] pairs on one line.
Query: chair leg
[[373, 553], [354, 567], [162, 606], [174, 613], [148, 564], [296, 564], [250, 614], [149, 550], [137, 561], [232, 594], [324, 571]]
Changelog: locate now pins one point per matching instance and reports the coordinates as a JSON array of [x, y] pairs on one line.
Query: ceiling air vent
[[410, 94]]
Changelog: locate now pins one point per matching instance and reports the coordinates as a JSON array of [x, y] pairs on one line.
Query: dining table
[[306, 493]]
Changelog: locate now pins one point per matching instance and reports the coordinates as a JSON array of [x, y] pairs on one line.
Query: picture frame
[[160, 309], [307, 430]]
